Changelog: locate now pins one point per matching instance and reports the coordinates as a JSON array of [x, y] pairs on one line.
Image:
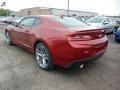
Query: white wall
[[71, 13]]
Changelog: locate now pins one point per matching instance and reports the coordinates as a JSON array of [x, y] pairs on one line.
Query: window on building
[[39, 10], [29, 12]]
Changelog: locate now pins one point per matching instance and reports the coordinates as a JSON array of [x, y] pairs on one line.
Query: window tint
[[37, 21], [107, 20], [95, 20], [70, 22], [27, 22]]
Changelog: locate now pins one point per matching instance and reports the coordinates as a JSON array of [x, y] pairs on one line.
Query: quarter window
[[37, 21]]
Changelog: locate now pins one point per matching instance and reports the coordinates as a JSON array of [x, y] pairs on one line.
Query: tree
[[4, 12]]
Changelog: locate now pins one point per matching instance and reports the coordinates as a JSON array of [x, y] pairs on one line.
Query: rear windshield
[[95, 20], [70, 22]]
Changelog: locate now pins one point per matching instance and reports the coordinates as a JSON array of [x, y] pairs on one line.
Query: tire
[[114, 29], [43, 57], [117, 40], [8, 39]]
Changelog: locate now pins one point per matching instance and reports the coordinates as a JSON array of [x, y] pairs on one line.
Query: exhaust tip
[[82, 65]]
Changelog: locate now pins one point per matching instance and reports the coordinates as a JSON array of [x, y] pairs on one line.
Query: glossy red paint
[[63, 42]]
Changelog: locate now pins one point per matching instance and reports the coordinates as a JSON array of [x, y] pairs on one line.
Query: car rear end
[[79, 43], [88, 44], [82, 46]]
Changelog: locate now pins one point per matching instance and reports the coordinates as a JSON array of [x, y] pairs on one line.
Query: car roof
[[42, 16], [101, 17]]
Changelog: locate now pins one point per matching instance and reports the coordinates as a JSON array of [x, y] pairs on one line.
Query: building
[[34, 11], [53, 11]]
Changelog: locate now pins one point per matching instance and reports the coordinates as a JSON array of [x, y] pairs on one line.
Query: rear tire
[[117, 40], [43, 57]]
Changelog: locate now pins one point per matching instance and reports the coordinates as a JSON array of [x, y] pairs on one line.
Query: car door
[[26, 33], [16, 34]]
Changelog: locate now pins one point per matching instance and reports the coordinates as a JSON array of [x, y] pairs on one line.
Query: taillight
[[89, 35], [79, 37]]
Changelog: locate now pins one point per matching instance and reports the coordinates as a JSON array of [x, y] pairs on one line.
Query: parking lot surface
[[19, 71]]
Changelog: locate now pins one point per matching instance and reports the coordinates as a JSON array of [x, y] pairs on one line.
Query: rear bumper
[[68, 53], [89, 59]]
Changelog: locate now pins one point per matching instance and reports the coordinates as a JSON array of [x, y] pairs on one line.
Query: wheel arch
[[41, 41], [45, 43]]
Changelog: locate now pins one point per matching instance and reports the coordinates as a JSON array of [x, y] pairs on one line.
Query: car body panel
[[54, 36]]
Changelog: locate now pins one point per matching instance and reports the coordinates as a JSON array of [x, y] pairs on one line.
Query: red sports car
[[57, 41]]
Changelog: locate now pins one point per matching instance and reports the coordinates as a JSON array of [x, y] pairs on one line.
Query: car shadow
[[57, 70], [73, 71]]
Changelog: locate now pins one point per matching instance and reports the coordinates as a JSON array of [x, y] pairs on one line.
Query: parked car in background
[[105, 23], [117, 35], [15, 20], [8, 19], [2, 19], [57, 41], [80, 19], [18, 19]]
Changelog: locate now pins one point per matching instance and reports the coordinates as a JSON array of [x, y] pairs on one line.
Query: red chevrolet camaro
[[57, 41]]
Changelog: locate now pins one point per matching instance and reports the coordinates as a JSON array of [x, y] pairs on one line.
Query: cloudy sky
[[106, 7]]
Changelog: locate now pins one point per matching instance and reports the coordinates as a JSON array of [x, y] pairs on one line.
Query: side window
[[27, 22], [107, 20], [37, 21]]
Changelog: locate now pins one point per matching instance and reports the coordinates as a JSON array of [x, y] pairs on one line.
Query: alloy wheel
[[42, 56], [8, 38]]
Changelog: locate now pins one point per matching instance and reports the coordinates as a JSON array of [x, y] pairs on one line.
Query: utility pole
[[68, 8]]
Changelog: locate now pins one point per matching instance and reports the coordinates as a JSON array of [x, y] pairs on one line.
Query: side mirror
[[106, 23]]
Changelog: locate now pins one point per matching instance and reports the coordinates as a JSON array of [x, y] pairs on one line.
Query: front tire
[[43, 57], [8, 39]]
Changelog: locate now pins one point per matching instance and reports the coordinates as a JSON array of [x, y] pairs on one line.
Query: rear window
[[70, 22], [95, 20]]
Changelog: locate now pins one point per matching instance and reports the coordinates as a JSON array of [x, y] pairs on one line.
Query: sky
[[103, 7]]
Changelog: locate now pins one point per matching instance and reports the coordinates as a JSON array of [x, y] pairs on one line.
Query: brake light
[[79, 37], [84, 36]]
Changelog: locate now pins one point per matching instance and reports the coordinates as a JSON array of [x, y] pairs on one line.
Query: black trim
[[87, 60]]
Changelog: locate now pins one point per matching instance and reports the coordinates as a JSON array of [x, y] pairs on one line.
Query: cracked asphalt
[[19, 71]]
